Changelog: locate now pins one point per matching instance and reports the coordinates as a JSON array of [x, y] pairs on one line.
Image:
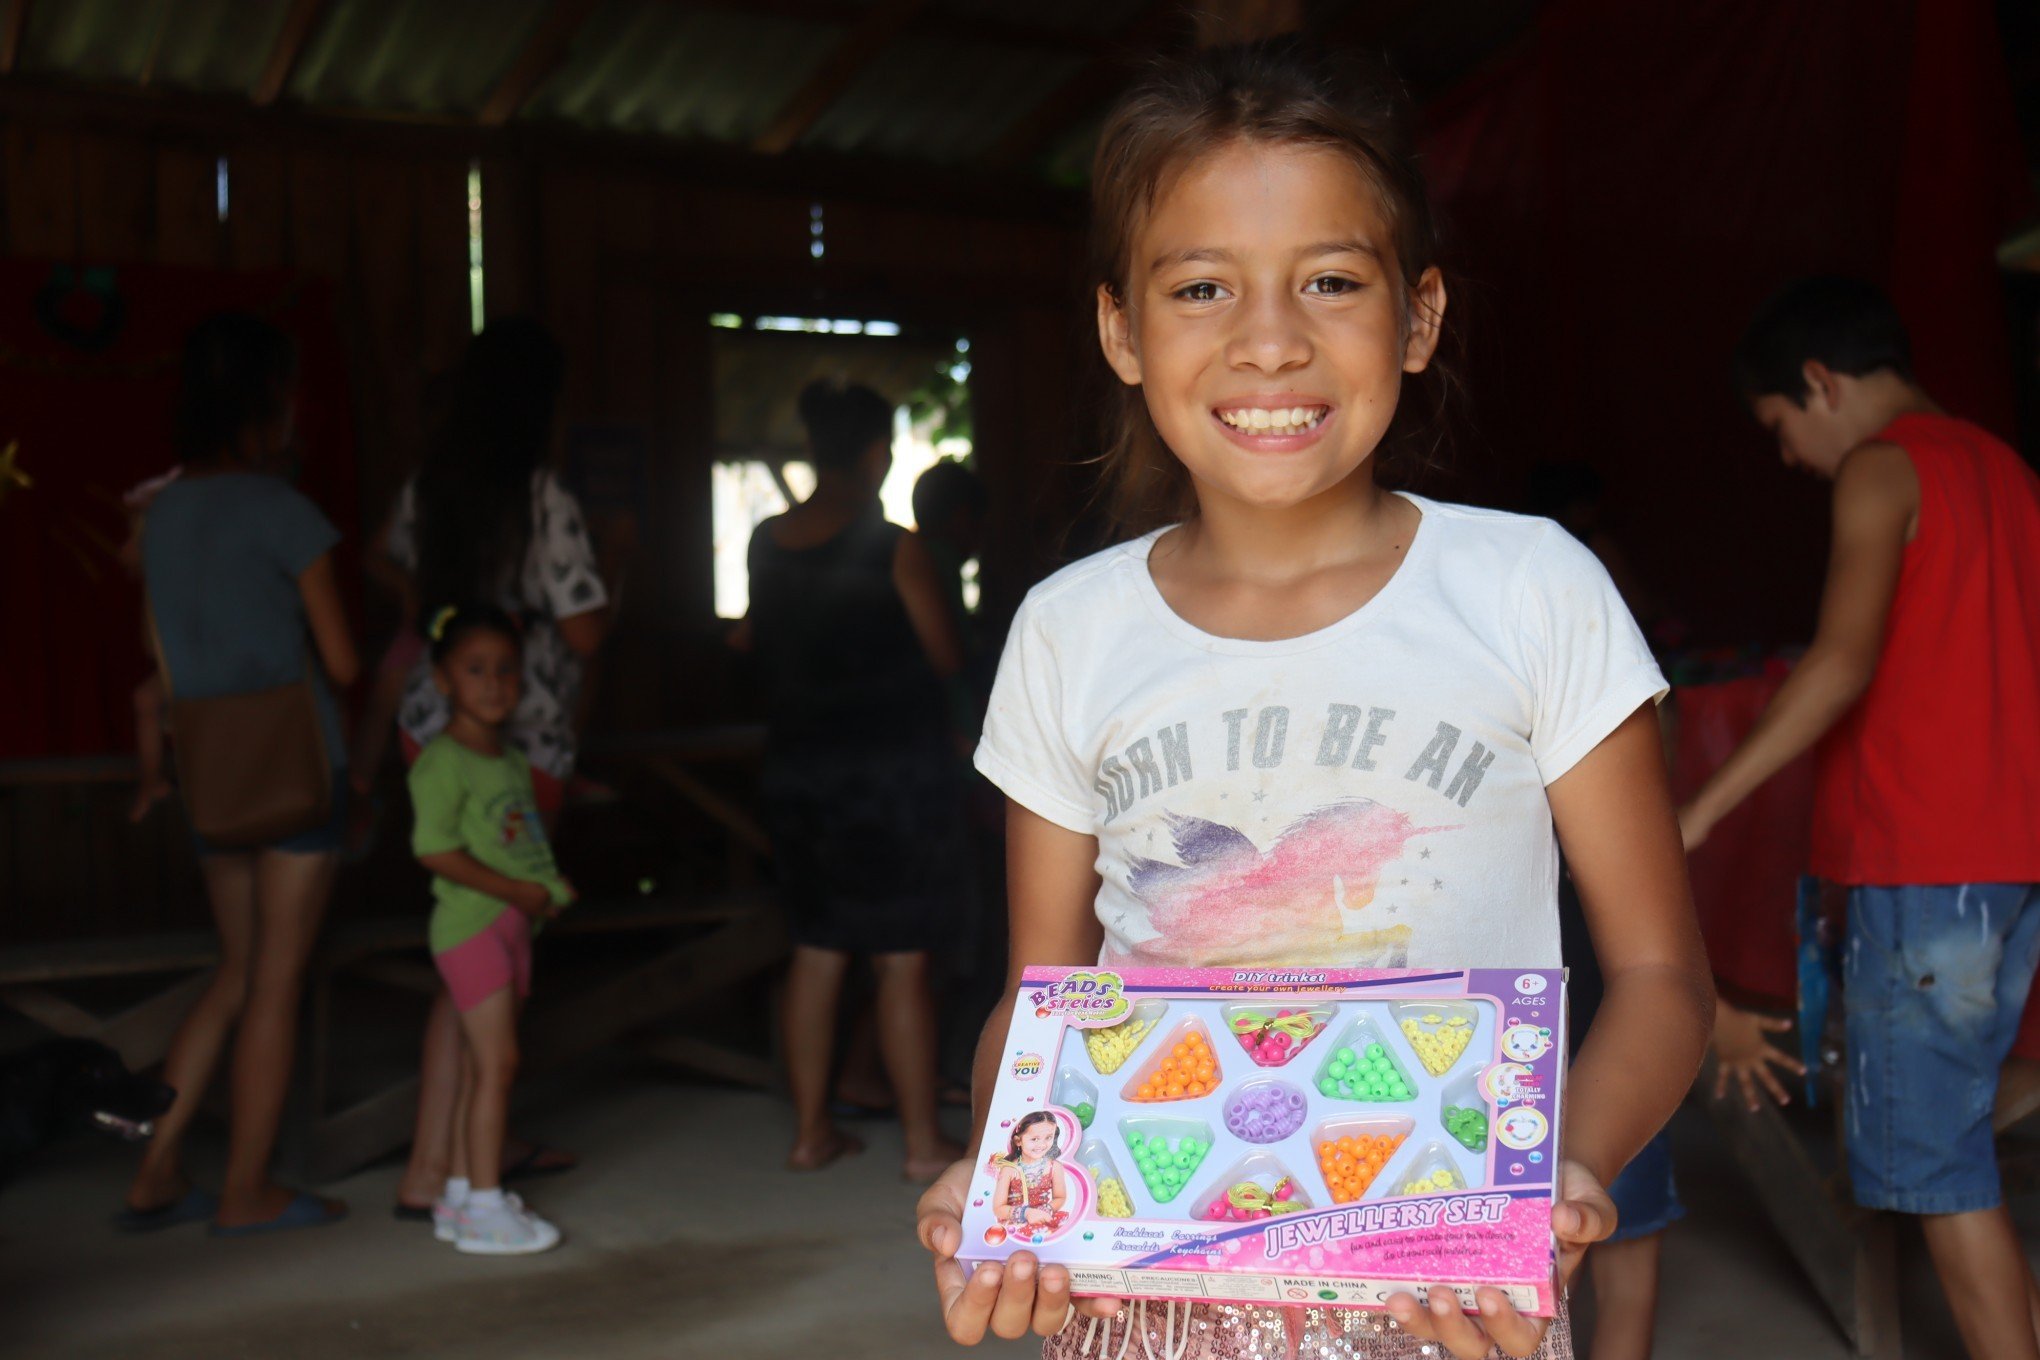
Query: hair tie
[[436, 630]]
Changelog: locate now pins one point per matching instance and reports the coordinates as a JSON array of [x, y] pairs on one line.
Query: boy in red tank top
[[1922, 685]]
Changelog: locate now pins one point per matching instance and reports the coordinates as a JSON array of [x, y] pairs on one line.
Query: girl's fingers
[[1720, 1080], [1051, 1301], [1457, 1332], [1013, 1310], [1515, 1334], [940, 1233], [1582, 1221], [1777, 1024], [966, 1300], [1441, 1321], [1100, 1307]]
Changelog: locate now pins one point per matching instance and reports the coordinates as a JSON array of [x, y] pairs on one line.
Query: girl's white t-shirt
[[1367, 795]]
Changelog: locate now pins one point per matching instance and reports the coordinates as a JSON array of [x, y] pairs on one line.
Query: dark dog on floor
[[62, 1087]]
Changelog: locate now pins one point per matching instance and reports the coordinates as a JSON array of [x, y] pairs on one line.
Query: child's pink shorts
[[479, 967]]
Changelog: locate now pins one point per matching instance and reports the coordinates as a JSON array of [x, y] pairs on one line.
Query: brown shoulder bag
[[252, 768]]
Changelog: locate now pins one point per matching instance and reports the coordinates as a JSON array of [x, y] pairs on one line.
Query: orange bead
[[1195, 1088]]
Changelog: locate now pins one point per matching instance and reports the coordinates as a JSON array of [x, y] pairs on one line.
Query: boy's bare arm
[[1876, 500]]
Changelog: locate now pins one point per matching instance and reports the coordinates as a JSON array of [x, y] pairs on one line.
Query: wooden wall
[[624, 255]]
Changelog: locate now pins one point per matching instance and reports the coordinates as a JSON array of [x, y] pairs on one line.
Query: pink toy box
[[1308, 1137]]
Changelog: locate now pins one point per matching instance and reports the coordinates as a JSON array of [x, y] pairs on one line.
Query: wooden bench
[[1849, 1253], [140, 1033], [700, 946]]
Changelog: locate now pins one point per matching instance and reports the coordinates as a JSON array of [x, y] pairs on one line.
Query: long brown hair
[[1282, 90]]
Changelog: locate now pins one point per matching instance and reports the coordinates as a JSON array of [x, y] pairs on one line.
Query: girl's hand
[[1009, 1298], [1038, 1215], [533, 899], [1741, 1051], [566, 890], [1583, 1216]]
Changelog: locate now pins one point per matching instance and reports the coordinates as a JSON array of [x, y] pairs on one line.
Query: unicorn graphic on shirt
[[1310, 898]]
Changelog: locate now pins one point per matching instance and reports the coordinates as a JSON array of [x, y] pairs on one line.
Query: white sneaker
[[512, 1230], [446, 1216]]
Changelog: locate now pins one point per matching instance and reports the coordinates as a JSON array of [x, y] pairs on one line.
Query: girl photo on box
[[1032, 1185]]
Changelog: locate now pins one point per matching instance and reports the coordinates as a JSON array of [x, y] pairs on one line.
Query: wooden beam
[[177, 115], [290, 45], [856, 51], [13, 27], [539, 59], [1088, 87], [1220, 22], [994, 30]]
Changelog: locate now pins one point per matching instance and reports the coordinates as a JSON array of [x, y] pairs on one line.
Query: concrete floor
[[685, 1238]]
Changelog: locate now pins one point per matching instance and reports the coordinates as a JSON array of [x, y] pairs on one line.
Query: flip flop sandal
[[196, 1206], [528, 1168], [304, 1211]]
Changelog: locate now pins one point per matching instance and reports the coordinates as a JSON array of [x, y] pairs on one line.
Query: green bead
[[1344, 1055], [1337, 1069], [1376, 1051], [1399, 1090], [1327, 1086]]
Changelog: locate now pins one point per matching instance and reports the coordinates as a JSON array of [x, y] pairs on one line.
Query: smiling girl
[[1031, 1184], [1308, 717]]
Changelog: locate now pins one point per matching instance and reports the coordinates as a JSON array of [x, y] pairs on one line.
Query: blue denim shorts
[[1935, 981], [1646, 1200]]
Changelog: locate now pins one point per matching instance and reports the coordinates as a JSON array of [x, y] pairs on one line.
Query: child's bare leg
[[202, 1037], [457, 1161], [150, 785], [906, 1039], [1625, 1297], [1989, 1286], [814, 984], [491, 1032], [434, 1142]]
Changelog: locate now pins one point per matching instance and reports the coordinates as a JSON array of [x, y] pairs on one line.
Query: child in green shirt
[[493, 884]]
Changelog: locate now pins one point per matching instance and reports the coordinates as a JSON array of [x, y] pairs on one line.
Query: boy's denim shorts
[[1935, 983], [1646, 1200]]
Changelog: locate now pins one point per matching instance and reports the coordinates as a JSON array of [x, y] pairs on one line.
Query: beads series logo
[[1085, 999]]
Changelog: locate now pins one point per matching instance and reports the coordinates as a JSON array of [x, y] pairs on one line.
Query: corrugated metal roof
[[949, 81], [196, 44], [652, 67], [445, 56], [938, 99]]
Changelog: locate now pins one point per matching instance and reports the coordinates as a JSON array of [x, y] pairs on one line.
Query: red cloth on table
[[91, 423], [1745, 878]]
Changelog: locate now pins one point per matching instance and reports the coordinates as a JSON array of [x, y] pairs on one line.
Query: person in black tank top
[[862, 792]]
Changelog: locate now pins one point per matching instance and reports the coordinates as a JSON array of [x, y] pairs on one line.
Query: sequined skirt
[[1152, 1330]]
